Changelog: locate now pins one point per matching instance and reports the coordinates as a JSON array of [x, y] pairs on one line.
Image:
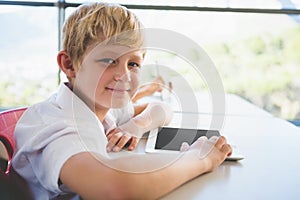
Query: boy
[[61, 142]]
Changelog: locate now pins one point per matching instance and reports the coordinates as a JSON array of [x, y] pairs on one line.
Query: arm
[[92, 179], [139, 108], [146, 118], [146, 90]]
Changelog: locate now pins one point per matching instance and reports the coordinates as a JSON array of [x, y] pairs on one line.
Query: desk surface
[[271, 147], [234, 105], [270, 169]]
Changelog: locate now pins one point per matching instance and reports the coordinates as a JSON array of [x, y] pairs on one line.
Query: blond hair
[[98, 22]]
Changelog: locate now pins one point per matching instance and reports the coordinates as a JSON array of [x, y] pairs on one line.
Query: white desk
[[234, 105], [270, 169], [271, 146]]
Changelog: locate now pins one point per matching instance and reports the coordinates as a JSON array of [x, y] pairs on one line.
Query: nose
[[122, 73]]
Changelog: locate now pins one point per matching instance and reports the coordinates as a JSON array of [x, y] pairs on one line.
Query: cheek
[[86, 80], [93, 74], [104, 77], [135, 80]]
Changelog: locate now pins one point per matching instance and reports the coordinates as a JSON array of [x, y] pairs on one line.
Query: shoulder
[[37, 113]]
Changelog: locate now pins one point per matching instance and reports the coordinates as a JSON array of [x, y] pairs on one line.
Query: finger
[[113, 140], [214, 139], [220, 142], [133, 143], [112, 132], [109, 135], [202, 138], [199, 143], [184, 146], [226, 148], [121, 143]]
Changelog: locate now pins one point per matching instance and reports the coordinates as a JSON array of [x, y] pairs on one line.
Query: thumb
[[184, 146]]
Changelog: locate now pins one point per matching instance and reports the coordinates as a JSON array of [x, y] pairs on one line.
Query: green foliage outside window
[[264, 69]]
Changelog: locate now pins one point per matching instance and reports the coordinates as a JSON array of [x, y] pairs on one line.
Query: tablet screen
[[172, 138]]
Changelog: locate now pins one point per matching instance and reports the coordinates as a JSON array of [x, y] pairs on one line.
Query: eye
[[108, 61], [133, 66]]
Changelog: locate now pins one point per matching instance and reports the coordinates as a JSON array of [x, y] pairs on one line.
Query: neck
[[101, 112]]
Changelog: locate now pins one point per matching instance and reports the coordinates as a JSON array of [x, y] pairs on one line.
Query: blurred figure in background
[[148, 89]]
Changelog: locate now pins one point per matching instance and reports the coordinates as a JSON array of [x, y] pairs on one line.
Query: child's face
[[109, 76]]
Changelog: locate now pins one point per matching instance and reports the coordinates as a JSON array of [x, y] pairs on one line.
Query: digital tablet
[[169, 140]]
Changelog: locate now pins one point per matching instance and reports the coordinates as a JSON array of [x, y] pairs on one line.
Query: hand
[[118, 138], [128, 133], [153, 116], [214, 150]]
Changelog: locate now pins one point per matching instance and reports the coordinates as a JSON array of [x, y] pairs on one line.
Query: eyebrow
[[133, 55], [108, 52], [136, 56]]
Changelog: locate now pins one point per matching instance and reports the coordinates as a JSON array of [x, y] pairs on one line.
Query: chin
[[119, 105], [119, 102]]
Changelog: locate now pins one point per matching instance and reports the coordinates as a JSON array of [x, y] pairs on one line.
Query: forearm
[[142, 92], [123, 178], [158, 183], [141, 176]]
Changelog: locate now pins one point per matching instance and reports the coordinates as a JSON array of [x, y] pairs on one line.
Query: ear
[[65, 64]]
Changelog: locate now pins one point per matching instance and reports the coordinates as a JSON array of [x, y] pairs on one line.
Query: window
[[27, 55], [255, 46], [257, 55]]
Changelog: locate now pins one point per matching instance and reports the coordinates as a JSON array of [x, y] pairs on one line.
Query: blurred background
[[255, 45]]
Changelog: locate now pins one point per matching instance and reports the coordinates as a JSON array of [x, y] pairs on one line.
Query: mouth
[[117, 90]]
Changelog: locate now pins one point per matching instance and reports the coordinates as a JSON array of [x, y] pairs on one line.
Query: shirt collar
[[67, 100]]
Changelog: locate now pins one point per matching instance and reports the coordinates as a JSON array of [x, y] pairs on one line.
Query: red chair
[[8, 121], [12, 185]]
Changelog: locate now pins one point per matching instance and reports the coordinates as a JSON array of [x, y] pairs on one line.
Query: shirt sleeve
[[44, 148]]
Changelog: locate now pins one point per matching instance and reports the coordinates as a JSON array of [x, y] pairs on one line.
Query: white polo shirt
[[50, 132]]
